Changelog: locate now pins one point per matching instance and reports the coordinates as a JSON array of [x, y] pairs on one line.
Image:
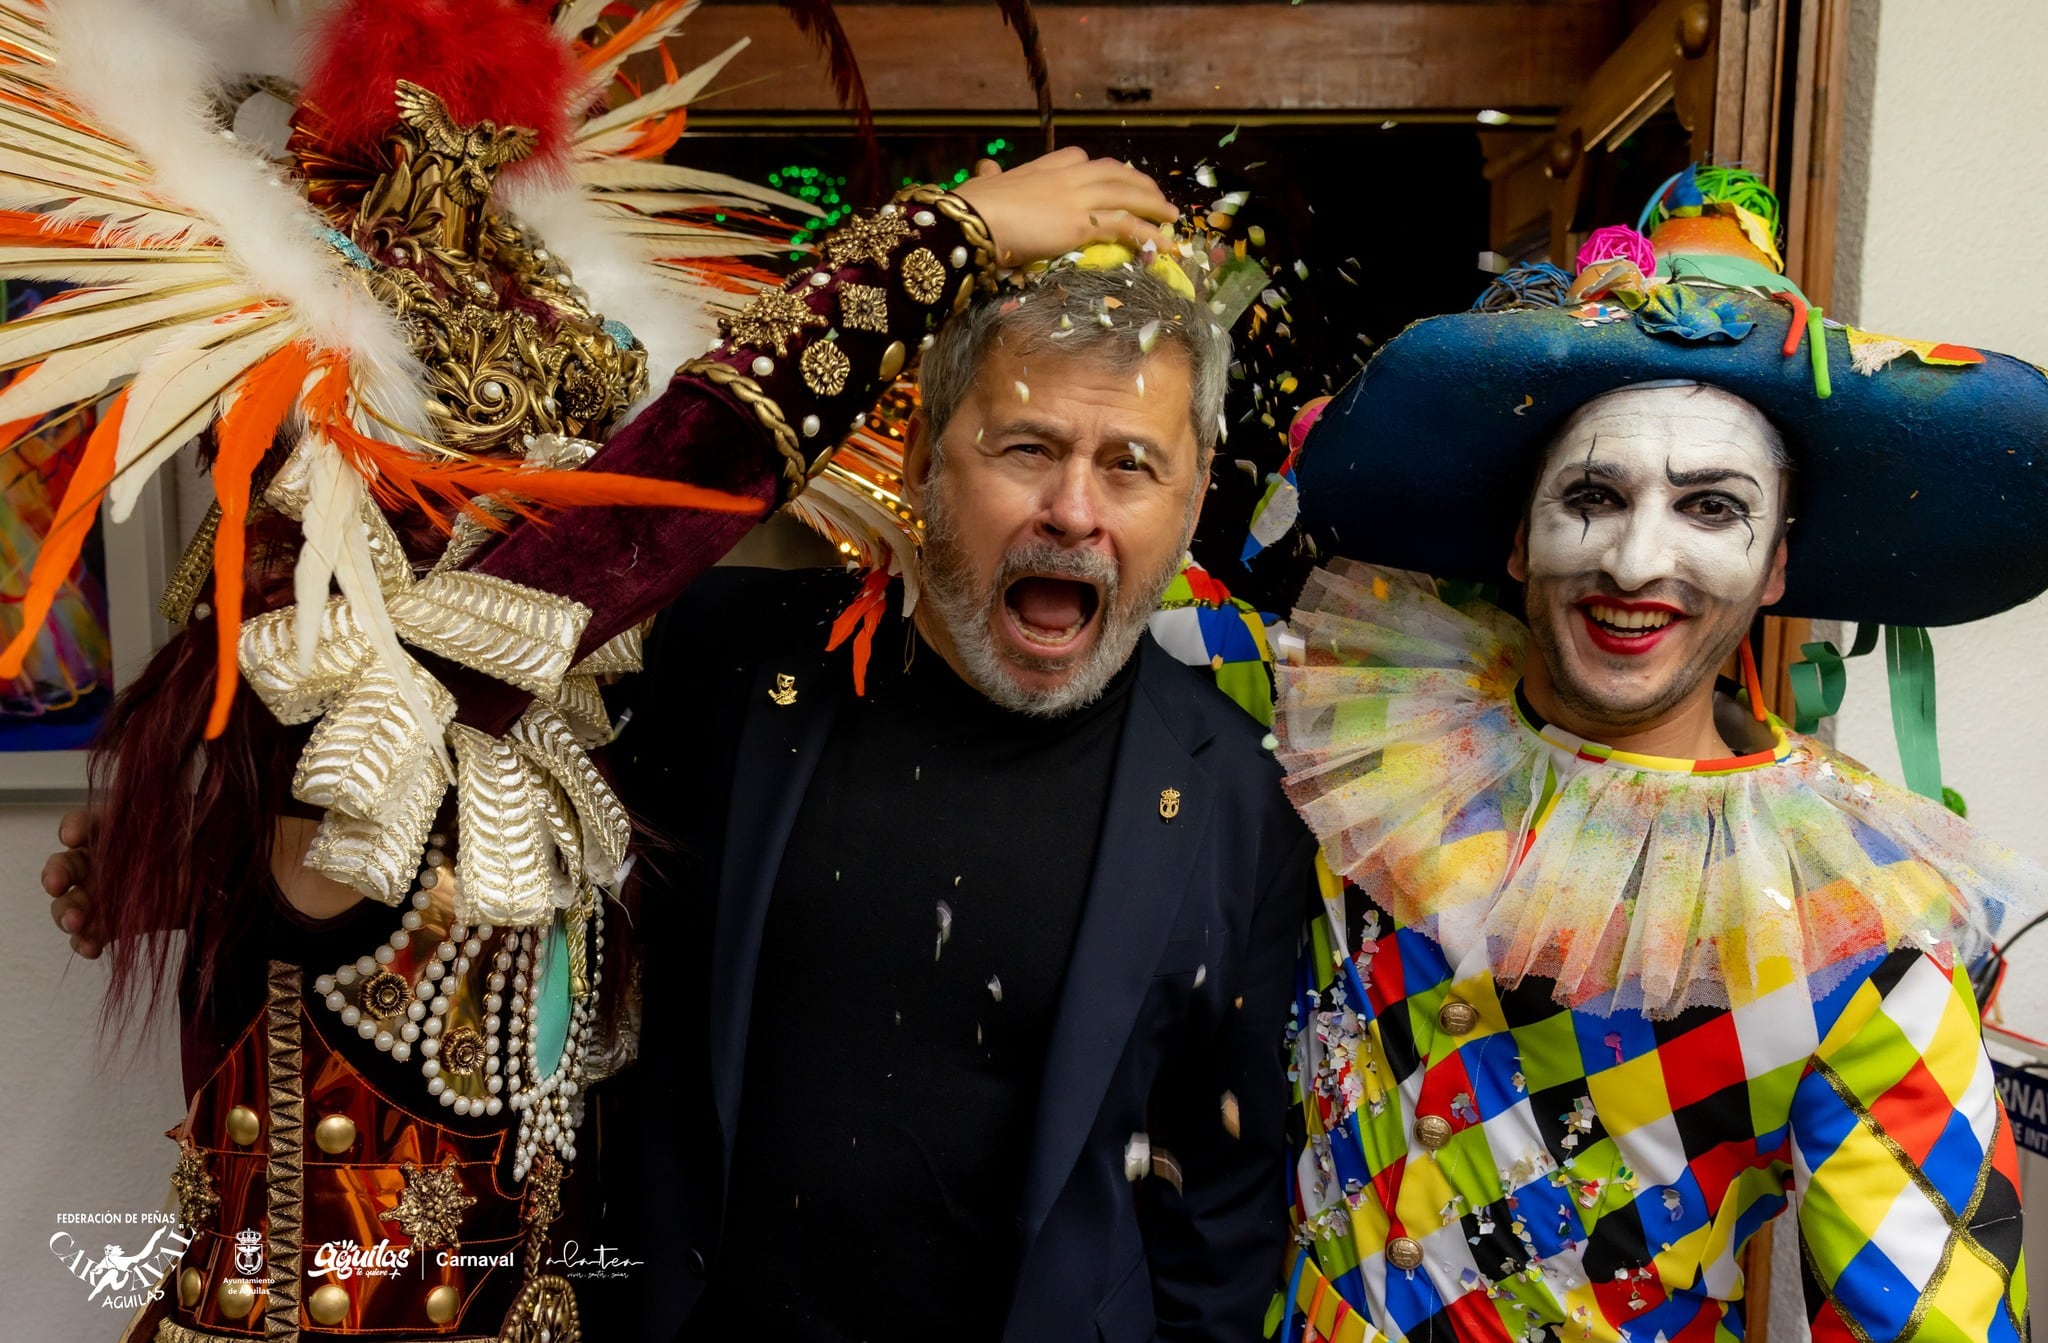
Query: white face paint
[[1660, 483], [1652, 539]]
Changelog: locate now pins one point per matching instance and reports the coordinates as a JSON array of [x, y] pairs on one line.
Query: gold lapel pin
[[1169, 803], [784, 693]]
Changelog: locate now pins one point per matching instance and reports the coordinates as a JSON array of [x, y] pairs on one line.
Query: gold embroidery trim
[[825, 368], [865, 307], [973, 232], [766, 411], [170, 1331], [284, 1173]]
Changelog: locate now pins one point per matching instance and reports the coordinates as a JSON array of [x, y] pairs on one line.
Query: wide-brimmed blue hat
[[1920, 490]]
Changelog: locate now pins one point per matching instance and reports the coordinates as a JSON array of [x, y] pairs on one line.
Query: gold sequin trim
[[765, 411], [973, 232], [825, 368], [864, 307], [284, 1173], [924, 276], [193, 1184], [170, 1331]]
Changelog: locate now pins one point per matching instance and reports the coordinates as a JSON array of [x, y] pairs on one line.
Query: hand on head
[[65, 875], [1062, 202]]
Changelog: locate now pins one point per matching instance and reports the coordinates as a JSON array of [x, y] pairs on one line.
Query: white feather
[[662, 99], [577, 16], [183, 383], [611, 175], [119, 312], [78, 374], [145, 77]]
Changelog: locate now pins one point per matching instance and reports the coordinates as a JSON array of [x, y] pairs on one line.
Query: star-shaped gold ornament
[[191, 1182], [544, 1191], [872, 238], [430, 1212], [774, 318]]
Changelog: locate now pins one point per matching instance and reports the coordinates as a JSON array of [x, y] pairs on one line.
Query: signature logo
[[117, 1278], [249, 1253], [603, 1261]]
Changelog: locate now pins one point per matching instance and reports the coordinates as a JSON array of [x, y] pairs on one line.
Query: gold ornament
[[384, 994], [474, 153], [825, 368], [335, 1134], [924, 276], [1169, 803], [892, 361], [190, 1284], [328, 1303], [193, 1184], [774, 318], [243, 1126], [235, 1298], [442, 1303], [543, 1312], [784, 693], [864, 307], [544, 1191], [430, 1212], [462, 1051], [872, 238]]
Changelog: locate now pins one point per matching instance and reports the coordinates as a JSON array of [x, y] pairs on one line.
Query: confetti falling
[[995, 987], [945, 930]]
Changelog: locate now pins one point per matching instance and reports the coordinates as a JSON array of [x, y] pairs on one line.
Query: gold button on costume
[[1432, 1131], [1457, 1016], [243, 1126], [1404, 1253], [328, 1303]]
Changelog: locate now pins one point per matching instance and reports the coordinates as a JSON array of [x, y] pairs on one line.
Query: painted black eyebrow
[[1709, 475]]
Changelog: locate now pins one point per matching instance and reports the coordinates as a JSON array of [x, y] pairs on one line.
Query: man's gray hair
[[1065, 313]]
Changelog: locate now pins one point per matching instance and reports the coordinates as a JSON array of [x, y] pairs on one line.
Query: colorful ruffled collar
[[1629, 882]]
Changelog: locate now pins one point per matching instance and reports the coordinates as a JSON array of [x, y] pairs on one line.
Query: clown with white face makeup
[[1619, 967], [1655, 532]]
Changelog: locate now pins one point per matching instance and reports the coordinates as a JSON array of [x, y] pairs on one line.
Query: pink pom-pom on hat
[[1619, 241]]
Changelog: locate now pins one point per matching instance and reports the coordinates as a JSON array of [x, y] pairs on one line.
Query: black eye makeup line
[[1714, 475]]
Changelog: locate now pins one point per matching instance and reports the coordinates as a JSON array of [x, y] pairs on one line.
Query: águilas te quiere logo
[[342, 1260], [118, 1278]]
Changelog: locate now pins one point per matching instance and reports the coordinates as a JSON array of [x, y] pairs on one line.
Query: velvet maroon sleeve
[[797, 369]]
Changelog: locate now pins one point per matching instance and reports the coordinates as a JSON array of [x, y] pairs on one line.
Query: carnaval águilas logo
[[118, 1278], [342, 1260]]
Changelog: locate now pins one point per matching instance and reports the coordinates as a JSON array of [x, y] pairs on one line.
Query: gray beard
[[967, 610]]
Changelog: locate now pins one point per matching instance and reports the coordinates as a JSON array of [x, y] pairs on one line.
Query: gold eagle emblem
[[473, 153]]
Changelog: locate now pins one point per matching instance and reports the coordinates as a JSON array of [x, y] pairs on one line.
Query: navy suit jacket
[[1177, 990]]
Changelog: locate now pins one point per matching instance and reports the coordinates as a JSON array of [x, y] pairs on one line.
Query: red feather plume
[[495, 60]]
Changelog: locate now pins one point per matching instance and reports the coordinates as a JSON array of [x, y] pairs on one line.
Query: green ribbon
[[1819, 683]]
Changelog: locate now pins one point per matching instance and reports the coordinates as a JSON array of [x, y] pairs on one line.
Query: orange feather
[[631, 32], [60, 549], [246, 433]]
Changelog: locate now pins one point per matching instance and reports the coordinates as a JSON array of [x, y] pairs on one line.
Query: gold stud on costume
[[892, 360], [243, 1125], [825, 368], [924, 276], [430, 1212], [867, 238], [190, 1284], [1169, 803], [1457, 1017], [784, 693], [442, 1303], [335, 1134], [328, 1303], [235, 1298], [1404, 1254], [1432, 1131], [864, 307], [774, 318]]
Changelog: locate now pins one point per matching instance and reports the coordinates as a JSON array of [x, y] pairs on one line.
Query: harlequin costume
[[1579, 1022], [407, 294]]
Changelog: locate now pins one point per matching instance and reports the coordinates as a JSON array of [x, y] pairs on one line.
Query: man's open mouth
[[1627, 627], [1051, 613]]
